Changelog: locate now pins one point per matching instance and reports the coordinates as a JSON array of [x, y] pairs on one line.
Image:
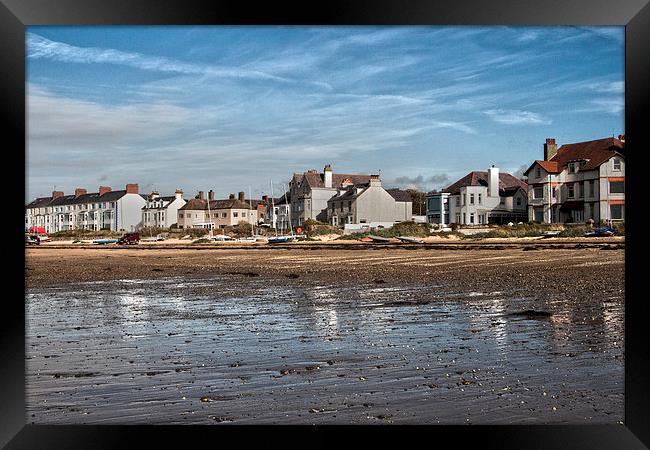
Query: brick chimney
[[104, 189], [79, 191], [327, 176], [374, 180], [550, 149], [231, 197], [132, 188], [211, 195], [201, 197], [57, 194], [241, 196]]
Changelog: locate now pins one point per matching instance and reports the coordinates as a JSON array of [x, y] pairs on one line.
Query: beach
[[519, 334]]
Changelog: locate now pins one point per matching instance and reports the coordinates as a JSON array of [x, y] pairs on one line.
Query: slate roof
[[478, 178], [593, 152], [316, 180], [197, 204], [92, 197], [400, 195]]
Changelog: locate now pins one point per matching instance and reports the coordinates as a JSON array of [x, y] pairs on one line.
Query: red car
[[129, 239]]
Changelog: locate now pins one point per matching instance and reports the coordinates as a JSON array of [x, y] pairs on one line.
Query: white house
[[480, 198], [102, 210], [162, 212], [578, 182]]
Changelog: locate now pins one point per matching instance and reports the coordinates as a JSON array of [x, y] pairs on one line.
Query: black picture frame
[[633, 14]]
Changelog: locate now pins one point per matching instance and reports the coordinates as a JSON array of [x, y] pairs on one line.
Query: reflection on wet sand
[[234, 350]]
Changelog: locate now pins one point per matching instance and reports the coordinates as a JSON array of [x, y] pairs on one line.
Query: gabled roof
[[477, 178], [399, 195], [39, 202], [316, 180], [594, 152], [198, 204]]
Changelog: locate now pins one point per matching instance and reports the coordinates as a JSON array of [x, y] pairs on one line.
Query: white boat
[[548, 234], [410, 240]]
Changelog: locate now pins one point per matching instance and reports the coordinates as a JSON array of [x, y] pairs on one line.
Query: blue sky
[[225, 108]]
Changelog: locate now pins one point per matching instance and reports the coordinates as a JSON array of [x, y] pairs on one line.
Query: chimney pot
[[241, 196], [200, 195], [211, 195], [231, 196]]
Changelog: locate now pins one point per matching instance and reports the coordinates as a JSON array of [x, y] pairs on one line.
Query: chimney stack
[[231, 196], [179, 193], [550, 149], [201, 195], [104, 189], [241, 196], [265, 198], [374, 180], [210, 195], [79, 191], [493, 181], [132, 188], [327, 176], [57, 194]]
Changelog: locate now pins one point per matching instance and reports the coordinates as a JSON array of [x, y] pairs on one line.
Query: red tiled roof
[[477, 178], [595, 152]]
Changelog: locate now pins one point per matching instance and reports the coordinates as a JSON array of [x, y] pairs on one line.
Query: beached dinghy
[[548, 234], [600, 232], [410, 240], [379, 239], [104, 241]]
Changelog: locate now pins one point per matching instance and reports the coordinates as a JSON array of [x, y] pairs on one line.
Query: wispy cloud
[[40, 47], [516, 117], [420, 181]]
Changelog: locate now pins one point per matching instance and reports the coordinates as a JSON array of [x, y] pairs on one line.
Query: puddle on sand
[[240, 350]]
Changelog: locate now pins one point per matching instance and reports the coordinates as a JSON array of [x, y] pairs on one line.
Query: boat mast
[[209, 227], [251, 207], [274, 219], [285, 199]]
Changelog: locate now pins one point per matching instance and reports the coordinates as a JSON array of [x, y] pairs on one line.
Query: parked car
[[129, 239]]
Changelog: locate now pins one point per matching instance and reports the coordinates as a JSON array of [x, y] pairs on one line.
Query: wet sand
[[324, 336]]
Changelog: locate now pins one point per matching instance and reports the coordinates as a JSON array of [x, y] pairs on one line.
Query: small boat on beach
[[548, 234], [365, 239], [410, 240], [379, 239], [600, 232], [281, 239], [105, 241]]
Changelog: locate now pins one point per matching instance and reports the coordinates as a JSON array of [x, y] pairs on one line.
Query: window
[[554, 192], [617, 163], [464, 199], [235, 214], [224, 215], [471, 218], [457, 218], [570, 190], [480, 200], [616, 211], [480, 218], [464, 218], [573, 167], [538, 192], [471, 199], [518, 201], [457, 201], [616, 187], [592, 190], [538, 173], [180, 215]]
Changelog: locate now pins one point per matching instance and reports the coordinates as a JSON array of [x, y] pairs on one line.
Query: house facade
[[277, 212], [311, 190], [369, 203], [201, 213], [479, 198], [103, 210], [162, 212], [578, 182]]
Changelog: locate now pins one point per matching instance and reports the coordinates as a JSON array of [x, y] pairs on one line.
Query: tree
[[419, 202]]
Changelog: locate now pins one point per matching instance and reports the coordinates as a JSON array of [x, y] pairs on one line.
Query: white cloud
[[515, 117]]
